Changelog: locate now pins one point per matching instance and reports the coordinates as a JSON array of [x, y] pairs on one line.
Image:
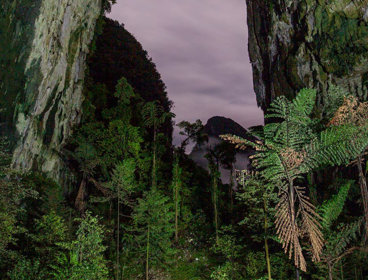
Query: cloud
[[200, 49]]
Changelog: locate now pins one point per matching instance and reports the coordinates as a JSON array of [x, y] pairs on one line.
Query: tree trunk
[[297, 274], [266, 240], [341, 271], [268, 260], [364, 193], [154, 179], [177, 206], [330, 277], [177, 214], [215, 207], [80, 203], [231, 193], [118, 235], [147, 253]]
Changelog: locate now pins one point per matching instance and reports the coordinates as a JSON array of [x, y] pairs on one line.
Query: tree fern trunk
[[268, 260], [297, 274], [364, 193]]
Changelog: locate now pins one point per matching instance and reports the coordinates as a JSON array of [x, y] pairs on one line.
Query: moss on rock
[[325, 43]]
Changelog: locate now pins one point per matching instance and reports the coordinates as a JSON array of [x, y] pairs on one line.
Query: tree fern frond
[[288, 231], [241, 143], [279, 108], [331, 209], [310, 223], [304, 102], [345, 235], [335, 146]]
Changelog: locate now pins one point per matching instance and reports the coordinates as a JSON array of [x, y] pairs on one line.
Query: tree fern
[[280, 154], [289, 148]]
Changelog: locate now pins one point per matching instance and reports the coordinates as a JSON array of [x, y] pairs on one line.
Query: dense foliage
[[142, 209], [188, 225]]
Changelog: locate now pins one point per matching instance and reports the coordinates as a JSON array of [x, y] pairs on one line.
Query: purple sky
[[200, 49]]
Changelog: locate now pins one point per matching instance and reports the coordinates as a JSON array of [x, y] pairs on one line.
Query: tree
[[279, 159], [227, 246], [177, 184], [227, 153], [258, 196], [213, 164], [123, 184], [287, 150], [192, 132], [85, 255], [50, 232], [86, 156], [153, 230], [101, 144], [154, 116]]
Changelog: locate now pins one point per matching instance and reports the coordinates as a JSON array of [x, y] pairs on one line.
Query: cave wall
[[47, 45], [307, 43], [16, 34]]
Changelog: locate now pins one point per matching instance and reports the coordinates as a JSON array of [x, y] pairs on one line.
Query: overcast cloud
[[200, 49]]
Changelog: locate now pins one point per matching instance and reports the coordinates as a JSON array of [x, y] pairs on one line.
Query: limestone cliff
[[47, 44], [307, 43]]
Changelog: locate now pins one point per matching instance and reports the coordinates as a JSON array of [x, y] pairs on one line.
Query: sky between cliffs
[[200, 49]]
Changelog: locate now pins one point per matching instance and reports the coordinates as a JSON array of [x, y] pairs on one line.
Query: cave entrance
[[200, 50]]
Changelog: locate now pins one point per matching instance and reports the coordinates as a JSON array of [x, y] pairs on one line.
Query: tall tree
[[213, 158], [227, 154], [177, 183], [192, 132], [154, 116], [258, 196], [123, 184], [85, 258], [152, 224]]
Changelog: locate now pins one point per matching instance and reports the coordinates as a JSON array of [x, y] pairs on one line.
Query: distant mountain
[[215, 127]]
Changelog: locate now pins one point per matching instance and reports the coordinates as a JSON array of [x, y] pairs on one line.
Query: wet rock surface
[[302, 43], [47, 102]]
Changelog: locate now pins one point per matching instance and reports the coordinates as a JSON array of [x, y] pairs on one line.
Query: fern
[[332, 208], [288, 149], [279, 157]]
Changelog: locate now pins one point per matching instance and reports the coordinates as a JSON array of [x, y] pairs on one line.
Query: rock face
[[51, 62], [306, 43]]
